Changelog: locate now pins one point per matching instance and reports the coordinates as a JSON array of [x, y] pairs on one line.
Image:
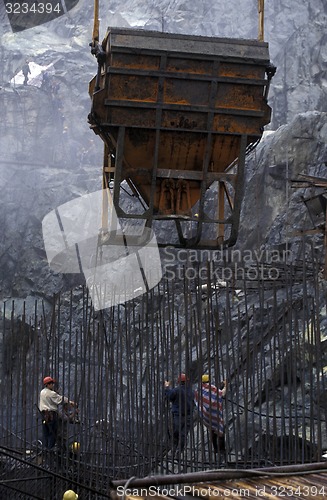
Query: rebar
[[266, 341]]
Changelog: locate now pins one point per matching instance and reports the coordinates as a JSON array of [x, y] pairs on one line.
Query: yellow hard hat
[[70, 495], [205, 378], [75, 447]]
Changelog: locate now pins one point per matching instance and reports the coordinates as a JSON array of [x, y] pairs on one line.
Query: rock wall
[[273, 209], [49, 155], [295, 32]]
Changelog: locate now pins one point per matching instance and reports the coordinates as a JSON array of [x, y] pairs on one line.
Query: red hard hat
[[48, 380], [181, 378]]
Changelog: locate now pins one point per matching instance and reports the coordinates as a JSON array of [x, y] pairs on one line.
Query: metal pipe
[[223, 474]]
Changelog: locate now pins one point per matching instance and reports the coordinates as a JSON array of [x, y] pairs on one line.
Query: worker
[[182, 399], [26, 71], [66, 415], [70, 495], [49, 402], [209, 402], [75, 448]]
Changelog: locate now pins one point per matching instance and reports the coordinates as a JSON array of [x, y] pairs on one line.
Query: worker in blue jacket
[[182, 405]]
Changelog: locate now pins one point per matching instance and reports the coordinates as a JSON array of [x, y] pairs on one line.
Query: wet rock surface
[[49, 155]]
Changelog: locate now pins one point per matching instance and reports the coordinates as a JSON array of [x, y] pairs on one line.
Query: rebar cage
[[264, 336]]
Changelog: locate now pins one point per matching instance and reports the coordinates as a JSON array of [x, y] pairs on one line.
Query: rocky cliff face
[[295, 33], [273, 209], [50, 156]]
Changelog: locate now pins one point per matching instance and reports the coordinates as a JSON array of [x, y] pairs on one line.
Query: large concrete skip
[[175, 112]]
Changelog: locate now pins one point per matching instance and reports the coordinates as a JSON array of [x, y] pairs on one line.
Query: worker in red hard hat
[[182, 405], [48, 405], [182, 378]]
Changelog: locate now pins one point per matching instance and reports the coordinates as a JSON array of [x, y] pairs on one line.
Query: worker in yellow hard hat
[[75, 447], [70, 495]]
